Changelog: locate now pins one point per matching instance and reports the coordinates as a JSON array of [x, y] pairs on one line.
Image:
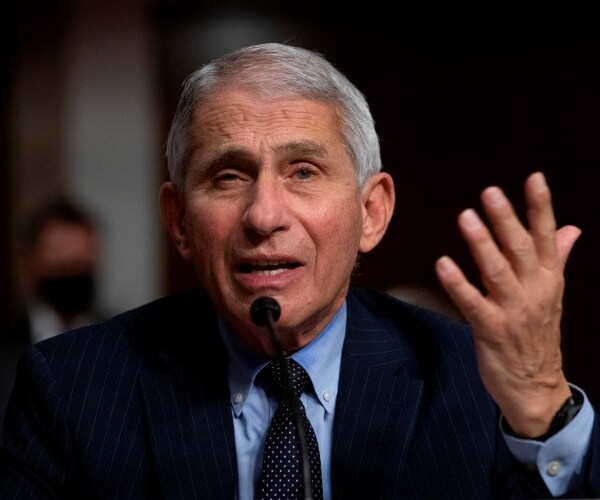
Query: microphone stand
[[269, 310]]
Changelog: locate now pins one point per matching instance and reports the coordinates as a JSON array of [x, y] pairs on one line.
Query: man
[[276, 187], [57, 271]]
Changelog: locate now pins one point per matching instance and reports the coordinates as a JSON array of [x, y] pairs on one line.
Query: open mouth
[[270, 269]]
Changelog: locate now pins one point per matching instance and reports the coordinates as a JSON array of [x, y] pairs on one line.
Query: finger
[[467, 297], [540, 216], [496, 272], [515, 240], [565, 239]]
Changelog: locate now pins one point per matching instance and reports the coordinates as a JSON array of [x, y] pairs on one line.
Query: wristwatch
[[564, 415]]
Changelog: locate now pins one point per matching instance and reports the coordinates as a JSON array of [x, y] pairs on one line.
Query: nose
[[266, 209]]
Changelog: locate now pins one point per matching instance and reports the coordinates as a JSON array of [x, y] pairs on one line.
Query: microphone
[[265, 311]]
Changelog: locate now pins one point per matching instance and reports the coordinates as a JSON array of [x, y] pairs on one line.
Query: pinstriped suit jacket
[[138, 407]]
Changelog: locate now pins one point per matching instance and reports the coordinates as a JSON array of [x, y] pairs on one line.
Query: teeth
[[270, 264], [267, 269], [269, 272]]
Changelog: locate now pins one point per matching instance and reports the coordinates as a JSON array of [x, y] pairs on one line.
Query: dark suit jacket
[[15, 337], [138, 407]]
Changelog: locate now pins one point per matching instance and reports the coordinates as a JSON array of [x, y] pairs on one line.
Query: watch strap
[[565, 414]]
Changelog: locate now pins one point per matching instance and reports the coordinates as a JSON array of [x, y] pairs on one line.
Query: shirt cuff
[[560, 457]]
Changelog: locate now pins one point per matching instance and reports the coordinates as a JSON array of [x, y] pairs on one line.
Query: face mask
[[69, 295]]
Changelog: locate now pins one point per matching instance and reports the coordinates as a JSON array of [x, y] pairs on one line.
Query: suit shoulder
[[431, 342], [383, 305], [150, 322], [426, 331]]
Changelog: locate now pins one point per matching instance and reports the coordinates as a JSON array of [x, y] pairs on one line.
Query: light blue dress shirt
[[253, 408], [557, 459], [560, 456]]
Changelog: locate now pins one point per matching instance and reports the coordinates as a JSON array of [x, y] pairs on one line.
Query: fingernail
[[470, 219], [538, 181], [445, 265], [494, 196]]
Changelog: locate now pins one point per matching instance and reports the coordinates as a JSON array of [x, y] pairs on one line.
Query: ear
[[172, 212], [378, 199]]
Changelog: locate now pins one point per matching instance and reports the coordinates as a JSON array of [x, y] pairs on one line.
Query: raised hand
[[516, 320]]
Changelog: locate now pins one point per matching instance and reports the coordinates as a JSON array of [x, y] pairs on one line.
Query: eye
[[304, 174], [227, 178]]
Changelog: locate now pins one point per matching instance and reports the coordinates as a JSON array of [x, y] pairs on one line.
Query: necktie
[[282, 463]]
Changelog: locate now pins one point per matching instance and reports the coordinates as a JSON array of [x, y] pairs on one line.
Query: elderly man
[[276, 188]]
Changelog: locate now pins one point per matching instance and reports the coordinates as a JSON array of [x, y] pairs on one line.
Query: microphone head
[[262, 308]]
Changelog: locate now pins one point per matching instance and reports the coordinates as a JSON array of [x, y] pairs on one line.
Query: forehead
[[238, 115]]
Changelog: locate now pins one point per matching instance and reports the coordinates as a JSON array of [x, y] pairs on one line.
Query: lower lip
[[254, 282]]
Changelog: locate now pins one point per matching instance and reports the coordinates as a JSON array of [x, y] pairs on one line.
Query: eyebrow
[[225, 157], [231, 154], [302, 148], [297, 148]]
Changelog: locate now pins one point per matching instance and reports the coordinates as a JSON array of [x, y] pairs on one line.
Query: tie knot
[[274, 374]]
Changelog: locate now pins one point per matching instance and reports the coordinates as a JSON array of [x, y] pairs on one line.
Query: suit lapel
[[188, 413], [376, 408], [185, 419]]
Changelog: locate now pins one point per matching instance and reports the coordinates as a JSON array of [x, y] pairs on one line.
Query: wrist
[[565, 414]]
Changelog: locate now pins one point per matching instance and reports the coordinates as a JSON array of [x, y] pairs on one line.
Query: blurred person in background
[[57, 268]]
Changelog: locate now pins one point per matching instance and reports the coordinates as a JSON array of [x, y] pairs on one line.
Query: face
[[271, 207], [63, 250], [60, 268]]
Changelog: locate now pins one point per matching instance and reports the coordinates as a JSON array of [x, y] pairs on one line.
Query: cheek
[[208, 230], [340, 232]]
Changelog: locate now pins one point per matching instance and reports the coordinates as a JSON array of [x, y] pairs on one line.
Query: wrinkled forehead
[[239, 113]]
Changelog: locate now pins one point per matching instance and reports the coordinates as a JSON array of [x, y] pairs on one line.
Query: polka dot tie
[[282, 463]]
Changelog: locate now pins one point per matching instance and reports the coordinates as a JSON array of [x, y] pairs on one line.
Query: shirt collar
[[321, 359]]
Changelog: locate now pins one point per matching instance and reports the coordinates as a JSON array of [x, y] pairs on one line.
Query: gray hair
[[277, 70]]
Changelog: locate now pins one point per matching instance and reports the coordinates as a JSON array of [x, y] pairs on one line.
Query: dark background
[[464, 96]]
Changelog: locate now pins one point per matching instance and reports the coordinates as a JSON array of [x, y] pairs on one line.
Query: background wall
[[84, 120], [463, 95]]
